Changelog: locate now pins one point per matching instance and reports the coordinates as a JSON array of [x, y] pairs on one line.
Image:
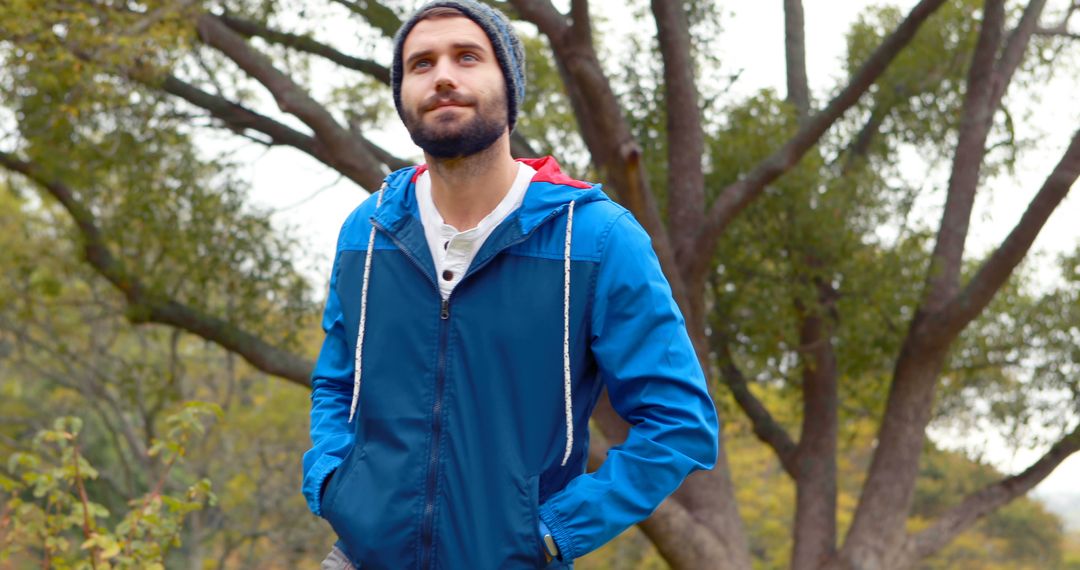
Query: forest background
[[839, 193]]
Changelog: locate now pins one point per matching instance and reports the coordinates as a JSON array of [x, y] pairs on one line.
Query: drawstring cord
[[363, 312], [566, 337]]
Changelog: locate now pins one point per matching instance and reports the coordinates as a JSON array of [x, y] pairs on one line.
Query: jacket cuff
[[313, 482], [559, 533]]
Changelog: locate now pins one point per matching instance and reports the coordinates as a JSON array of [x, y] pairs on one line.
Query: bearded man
[[478, 306]]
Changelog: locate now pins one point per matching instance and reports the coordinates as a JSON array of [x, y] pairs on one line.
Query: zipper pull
[[445, 313]]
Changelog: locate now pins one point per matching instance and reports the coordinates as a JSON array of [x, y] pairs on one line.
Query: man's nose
[[444, 76]]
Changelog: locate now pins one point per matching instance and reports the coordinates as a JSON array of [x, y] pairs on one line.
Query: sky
[[313, 201]]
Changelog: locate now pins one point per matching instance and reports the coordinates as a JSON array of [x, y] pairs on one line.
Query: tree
[[112, 79]]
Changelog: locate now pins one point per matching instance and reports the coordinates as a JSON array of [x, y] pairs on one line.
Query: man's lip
[[442, 104]]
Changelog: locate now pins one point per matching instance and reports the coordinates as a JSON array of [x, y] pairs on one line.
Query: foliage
[[66, 347], [48, 504]]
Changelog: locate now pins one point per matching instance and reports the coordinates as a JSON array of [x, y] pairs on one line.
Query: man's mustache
[[450, 97]]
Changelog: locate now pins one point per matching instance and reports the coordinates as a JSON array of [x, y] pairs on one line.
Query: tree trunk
[[815, 482]]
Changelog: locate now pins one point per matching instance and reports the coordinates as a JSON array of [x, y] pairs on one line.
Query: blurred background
[[864, 208]]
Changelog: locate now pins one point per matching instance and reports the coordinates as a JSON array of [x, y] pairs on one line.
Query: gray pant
[[336, 560]]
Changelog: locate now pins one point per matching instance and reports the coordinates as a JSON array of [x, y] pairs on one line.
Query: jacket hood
[[550, 191]]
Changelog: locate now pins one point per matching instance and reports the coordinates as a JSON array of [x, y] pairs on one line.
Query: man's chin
[[455, 138], [447, 147]]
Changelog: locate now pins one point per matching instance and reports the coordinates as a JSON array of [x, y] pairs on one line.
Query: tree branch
[[996, 270], [579, 13], [248, 28], [988, 499], [239, 119], [798, 88], [391, 161], [738, 195], [686, 140], [375, 13], [1058, 33], [943, 276], [520, 147], [815, 455], [607, 135], [547, 19], [342, 147], [1014, 50], [766, 428], [860, 147], [148, 306], [1061, 29]]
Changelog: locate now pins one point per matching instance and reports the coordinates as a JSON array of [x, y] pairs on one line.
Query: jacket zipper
[[427, 527], [428, 523]]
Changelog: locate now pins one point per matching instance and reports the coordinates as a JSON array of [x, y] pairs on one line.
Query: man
[[478, 305]]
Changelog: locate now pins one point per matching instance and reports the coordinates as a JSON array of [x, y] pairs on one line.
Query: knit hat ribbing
[[508, 50]]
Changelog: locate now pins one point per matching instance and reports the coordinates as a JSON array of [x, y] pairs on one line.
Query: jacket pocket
[[337, 480], [530, 493]]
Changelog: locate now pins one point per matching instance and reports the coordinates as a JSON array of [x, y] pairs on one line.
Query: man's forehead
[[442, 32]]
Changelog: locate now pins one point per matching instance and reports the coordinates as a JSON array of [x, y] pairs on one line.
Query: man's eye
[[421, 64], [470, 58]]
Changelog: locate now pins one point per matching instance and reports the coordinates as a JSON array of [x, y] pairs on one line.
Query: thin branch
[[738, 195], [985, 501], [157, 15], [520, 147], [547, 19], [1014, 50], [996, 270], [88, 525], [943, 276], [860, 147], [1061, 28], [377, 14], [1060, 34], [240, 118], [249, 28], [342, 147], [146, 305], [766, 428], [798, 87], [391, 161]]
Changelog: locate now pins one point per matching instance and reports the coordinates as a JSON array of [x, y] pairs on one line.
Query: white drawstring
[[566, 337], [363, 312]]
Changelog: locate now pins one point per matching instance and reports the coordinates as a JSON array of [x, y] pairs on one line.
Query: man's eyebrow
[[457, 46]]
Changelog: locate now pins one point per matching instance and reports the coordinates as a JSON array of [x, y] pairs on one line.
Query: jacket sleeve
[[655, 383], [331, 394]]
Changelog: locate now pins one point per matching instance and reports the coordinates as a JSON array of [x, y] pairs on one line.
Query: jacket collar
[[549, 191]]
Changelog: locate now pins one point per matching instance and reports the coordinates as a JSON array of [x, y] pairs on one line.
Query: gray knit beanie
[[508, 50]]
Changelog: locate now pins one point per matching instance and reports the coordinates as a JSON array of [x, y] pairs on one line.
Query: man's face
[[453, 94]]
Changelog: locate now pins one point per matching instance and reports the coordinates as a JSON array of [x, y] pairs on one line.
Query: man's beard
[[441, 140]]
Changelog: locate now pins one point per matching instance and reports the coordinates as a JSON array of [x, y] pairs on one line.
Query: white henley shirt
[[452, 250]]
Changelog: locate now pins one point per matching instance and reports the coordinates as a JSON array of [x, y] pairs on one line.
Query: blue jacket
[[466, 431]]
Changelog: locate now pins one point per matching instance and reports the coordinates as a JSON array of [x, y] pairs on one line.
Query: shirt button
[[445, 245], [448, 275]]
